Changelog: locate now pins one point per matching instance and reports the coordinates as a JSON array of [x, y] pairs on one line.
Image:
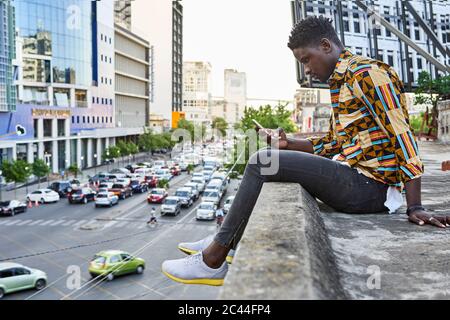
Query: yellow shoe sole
[[210, 282], [190, 252]]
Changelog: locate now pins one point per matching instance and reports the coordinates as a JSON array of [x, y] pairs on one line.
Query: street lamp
[[107, 159], [1, 182], [47, 157], [95, 164], [26, 182]]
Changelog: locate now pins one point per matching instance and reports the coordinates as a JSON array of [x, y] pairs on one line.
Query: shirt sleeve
[[381, 92], [326, 146]]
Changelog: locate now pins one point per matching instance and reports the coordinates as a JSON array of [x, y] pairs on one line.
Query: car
[[152, 181], [113, 263], [206, 211], [62, 188], [121, 190], [12, 207], [183, 166], [99, 178], [157, 195], [175, 171], [211, 196], [207, 175], [102, 190], [171, 205], [106, 199], [216, 184], [144, 171], [43, 196], [159, 163], [83, 195], [194, 189], [198, 175], [186, 196], [123, 171], [138, 186], [163, 174], [227, 204], [135, 176], [200, 183], [145, 164], [125, 181], [16, 277], [105, 185]]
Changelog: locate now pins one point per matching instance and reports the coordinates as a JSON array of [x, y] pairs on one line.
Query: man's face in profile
[[318, 61]]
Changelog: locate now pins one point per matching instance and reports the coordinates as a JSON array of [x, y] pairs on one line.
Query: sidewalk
[[21, 192]]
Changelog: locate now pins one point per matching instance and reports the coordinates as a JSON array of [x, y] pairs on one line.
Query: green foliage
[[124, 148], [16, 171], [111, 153], [133, 148], [221, 125], [190, 168], [150, 141], [40, 169], [269, 117], [73, 169], [197, 132], [163, 183]]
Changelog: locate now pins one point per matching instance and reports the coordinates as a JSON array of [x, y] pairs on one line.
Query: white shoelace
[[193, 260]]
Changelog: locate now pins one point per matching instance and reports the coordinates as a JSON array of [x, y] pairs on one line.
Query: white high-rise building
[[235, 95], [161, 22], [197, 91]]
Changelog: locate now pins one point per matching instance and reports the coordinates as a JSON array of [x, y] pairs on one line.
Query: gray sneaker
[[195, 247], [192, 270]]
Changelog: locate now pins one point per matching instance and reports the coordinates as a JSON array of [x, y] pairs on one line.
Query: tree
[[40, 169], [16, 171], [123, 148], [221, 125], [430, 92], [190, 168], [73, 169], [188, 126], [163, 183]]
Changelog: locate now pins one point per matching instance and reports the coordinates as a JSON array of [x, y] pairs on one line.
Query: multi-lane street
[[61, 239]]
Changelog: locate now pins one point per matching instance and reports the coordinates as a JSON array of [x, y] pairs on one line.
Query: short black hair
[[309, 32]]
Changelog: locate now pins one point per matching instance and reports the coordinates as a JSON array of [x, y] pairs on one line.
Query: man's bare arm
[[421, 217], [300, 145]]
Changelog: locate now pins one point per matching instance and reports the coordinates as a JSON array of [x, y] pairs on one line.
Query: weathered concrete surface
[[414, 261], [285, 252]]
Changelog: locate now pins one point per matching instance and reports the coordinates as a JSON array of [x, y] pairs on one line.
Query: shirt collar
[[341, 66]]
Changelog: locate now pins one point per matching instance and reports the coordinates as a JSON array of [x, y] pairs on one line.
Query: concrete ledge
[[285, 252]]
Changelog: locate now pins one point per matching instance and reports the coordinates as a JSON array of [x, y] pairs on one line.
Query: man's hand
[[278, 135], [421, 218]]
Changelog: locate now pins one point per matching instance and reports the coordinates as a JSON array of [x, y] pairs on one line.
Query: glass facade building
[[57, 40], [7, 54]]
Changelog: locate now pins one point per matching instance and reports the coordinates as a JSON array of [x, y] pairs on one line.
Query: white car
[[159, 163], [227, 204], [106, 199], [194, 188], [163, 174], [211, 196], [216, 185], [124, 181], [206, 211], [200, 183], [171, 205], [43, 196], [16, 277]]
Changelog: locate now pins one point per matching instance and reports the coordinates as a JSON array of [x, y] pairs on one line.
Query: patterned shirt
[[369, 124]]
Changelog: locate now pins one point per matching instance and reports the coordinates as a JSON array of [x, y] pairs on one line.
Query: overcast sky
[[248, 35]]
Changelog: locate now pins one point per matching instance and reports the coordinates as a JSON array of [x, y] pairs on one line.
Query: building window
[[47, 127], [110, 60], [417, 34], [73, 119], [346, 26], [98, 119], [84, 119], [111, 101], [78, 119], [356, 27], [419, 63], [98, 100], [110, 119], [390, 60], [93, 99], [110, 81], [101, 36]]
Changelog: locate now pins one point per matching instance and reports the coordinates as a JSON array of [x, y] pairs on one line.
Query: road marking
[[24, 222], [79, 223], [4, 222], [110, 224], [68, 223], [57, 222], [47, 222], [35, 222], [10, 223]]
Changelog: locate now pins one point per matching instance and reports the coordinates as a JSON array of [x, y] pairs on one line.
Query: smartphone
[[262, 128], [257, 124]]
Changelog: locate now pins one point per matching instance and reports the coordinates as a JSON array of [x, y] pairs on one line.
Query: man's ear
[[325, 45]]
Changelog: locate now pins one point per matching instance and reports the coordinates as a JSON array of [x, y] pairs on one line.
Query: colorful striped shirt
[[369, 124]]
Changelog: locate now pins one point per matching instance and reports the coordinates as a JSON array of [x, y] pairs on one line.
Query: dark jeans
[[335, 184]]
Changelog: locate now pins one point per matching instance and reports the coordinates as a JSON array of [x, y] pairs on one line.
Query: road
[[60, 239]]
